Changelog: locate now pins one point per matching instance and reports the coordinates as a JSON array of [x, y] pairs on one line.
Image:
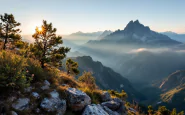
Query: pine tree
[[47, 45], [88, 79], [72, 67], [8, 28], [174, 112], [150, 110]]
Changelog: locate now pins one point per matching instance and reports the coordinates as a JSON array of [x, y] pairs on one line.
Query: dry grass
[[169, 95]]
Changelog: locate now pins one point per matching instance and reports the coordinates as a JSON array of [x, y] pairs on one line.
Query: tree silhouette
[[8, 28], [47, 45]]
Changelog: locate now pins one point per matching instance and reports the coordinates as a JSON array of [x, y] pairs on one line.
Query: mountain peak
[[136, 26], [136, 22]]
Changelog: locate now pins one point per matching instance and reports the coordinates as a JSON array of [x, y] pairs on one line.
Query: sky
[[70, 16]]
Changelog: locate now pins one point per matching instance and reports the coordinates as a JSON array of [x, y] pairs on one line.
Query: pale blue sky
[[97, 15]]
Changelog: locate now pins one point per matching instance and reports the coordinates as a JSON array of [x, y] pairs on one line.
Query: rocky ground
[[42, 99]]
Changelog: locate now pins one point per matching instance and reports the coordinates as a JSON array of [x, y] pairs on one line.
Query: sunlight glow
[[39, 29]]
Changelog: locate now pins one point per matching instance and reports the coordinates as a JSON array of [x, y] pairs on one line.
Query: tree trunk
[[6, 38], [42, 64], [4, 46]]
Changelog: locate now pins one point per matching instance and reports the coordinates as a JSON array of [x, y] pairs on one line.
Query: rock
[[37, 110], [94, 109], [122, 108], [12, 98], [64, 85], [13, 113], [77, 100], [54, 103], [46, 85], [110, 112], [36, 95], [113, 105], [21, 104], [105, 96], [28, 89]]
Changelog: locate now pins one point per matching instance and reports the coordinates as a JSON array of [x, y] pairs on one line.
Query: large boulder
[[54, 103], [105, 96], [113, 105], [77, 100], [21, 104], [94, 109]]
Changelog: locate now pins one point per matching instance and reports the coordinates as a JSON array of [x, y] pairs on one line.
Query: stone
[[105, 96], [46, 85], [113, 105], [11, 98], [36, 95], [54, 103], [122, 108], [110, 112], [21, 104], [94, 109], [13, 113], [28, 89], [37, 110], [77, 100]]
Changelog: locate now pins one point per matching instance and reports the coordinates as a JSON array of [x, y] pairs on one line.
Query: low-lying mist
[[138, 63]]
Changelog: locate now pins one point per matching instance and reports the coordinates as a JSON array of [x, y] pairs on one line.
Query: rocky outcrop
[[94, 110], [77, 99], [21, 104], [54, 103]]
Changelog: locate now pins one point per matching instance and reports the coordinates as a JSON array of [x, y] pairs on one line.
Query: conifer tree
[[150, 110], [47, 45], [72, 67], [174, 112], [8, 28]]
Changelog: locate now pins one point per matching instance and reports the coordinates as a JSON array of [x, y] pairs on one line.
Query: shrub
[[13, 71], [88, 79], [121, 95], [95, 95], [35, 70]]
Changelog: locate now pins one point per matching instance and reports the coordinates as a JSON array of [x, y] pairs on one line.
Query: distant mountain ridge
[[79, 33], [137, 33], [175, 36], [104, 34]]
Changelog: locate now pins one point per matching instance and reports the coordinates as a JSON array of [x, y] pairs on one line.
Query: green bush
[[35, 70], [13, 71]]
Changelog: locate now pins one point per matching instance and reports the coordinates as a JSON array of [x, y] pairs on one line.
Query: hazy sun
[[39, 29]]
